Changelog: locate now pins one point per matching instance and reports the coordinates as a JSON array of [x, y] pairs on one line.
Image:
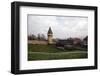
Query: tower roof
[[50, 31]]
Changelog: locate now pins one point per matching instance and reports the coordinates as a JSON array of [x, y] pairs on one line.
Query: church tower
[[50, 36]]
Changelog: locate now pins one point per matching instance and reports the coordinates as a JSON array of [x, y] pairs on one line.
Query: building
[[65, 43], [50, 36], [76, 41], [50, 39], [69, 41], [85, 42]]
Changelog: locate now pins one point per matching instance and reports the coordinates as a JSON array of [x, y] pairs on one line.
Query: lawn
[[42, 48], [49, 52]]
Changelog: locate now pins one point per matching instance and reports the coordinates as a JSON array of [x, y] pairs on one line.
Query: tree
[[32, 37], [41, 37]]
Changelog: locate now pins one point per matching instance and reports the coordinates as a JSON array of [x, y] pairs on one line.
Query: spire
[[50, 31]]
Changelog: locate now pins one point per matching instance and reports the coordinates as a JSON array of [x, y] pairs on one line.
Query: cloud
[[62, 26]]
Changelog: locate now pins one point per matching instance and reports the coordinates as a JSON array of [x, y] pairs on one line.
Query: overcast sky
[[62, 26]]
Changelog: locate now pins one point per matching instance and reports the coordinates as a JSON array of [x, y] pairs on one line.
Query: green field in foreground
[[48, 52]]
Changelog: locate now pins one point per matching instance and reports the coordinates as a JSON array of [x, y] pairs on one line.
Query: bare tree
[[32, 37], [41, 37]]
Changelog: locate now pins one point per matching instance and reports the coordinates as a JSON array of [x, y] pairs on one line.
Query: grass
[[42, 48], [49, 52]]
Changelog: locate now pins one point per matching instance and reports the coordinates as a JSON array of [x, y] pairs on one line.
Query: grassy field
[[49, 52]]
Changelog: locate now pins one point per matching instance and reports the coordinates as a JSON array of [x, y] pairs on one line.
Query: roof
[[65, 42], [86, 38], [50, 31]]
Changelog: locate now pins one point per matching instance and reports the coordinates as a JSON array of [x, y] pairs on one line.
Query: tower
[[50, 36]]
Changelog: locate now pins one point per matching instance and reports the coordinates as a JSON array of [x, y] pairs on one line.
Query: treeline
[[38, 37]]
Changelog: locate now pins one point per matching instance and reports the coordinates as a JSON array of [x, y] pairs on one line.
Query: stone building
[[50, 36], [49, 39]]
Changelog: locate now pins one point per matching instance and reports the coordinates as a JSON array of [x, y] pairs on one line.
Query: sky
[[62, 26]]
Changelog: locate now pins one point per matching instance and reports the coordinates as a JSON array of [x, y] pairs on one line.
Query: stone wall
[[43, 42]]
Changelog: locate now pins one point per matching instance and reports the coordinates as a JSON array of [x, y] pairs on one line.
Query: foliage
[[32, 37], [38, 37], [41, 37]]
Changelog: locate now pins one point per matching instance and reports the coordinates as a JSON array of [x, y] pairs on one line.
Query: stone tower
[[50, 36]]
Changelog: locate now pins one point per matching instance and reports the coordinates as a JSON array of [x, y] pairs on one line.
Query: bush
[[69, 47]]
